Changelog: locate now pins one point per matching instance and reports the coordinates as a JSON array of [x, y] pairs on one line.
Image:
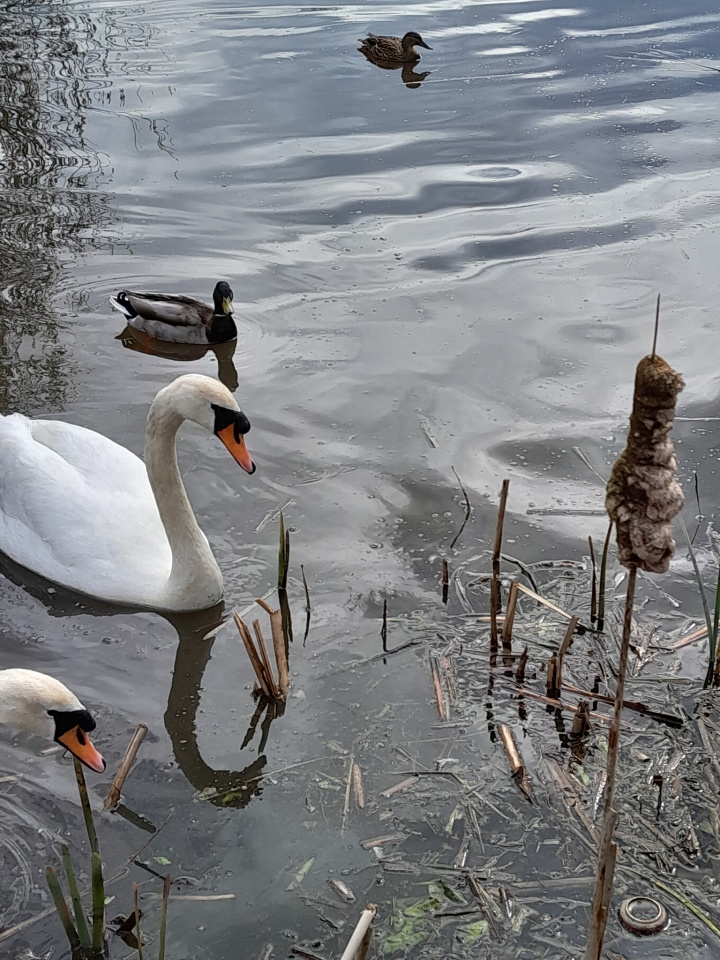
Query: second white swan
[[87, 513]]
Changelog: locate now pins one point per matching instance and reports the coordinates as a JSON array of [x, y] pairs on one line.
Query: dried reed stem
[[252, 653], [162, 936], [608, 849], [113, 797], [272, 683], [358, 934]]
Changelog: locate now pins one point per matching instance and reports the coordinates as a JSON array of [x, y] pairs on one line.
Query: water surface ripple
[[469, 254]]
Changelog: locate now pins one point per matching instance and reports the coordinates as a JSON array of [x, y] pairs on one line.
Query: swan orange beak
[[236, 445], [78, 743]]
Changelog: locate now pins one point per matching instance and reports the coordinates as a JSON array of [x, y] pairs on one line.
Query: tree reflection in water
[[53, 64]]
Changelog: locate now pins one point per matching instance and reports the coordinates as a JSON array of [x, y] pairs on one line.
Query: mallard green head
[[413, 39], [223, 299]]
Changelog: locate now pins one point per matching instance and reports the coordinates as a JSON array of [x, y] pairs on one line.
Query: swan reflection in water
[[196, 636], [409, 77], [227, 374]]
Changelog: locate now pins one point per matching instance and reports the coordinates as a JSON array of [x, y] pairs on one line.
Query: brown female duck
[[393, 48]]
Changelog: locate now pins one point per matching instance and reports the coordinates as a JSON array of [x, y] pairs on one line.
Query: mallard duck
[[180, 319], [85, 512], [38, 704], [393, 48]]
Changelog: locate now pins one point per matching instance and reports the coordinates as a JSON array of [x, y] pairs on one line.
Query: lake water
[[451, 269]]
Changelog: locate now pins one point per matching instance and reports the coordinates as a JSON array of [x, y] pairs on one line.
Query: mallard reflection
[[227, 374], [408, 75]]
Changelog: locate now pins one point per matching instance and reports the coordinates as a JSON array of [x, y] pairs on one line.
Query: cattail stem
[[607, 852]]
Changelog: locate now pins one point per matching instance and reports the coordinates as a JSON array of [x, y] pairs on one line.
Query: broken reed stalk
[[113, 797], [593, 587], [274, 691], [358, 787], [383, 628], [603, 576], [564, 647], [253, 655], [515, 760], [278, 639], [495, 599], [358, 934], [445, 581], [162, 936]]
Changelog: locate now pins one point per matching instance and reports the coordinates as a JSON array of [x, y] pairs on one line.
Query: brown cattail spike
[[643, 495]]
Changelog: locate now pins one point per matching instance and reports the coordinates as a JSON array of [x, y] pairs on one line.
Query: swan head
[[210, 404], [38, 704]]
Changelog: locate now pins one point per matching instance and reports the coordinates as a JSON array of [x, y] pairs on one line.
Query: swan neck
[[193, 564]]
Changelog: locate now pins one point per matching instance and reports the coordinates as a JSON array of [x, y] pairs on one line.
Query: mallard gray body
[[180, 319]]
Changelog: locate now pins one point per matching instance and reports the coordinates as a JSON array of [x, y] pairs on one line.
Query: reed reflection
[[227, 373]]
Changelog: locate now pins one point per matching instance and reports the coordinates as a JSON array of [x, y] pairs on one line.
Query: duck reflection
[[408, 75], [196, 636], [134, 339]]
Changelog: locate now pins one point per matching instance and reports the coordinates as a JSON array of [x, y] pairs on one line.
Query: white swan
[[36, 703], [83, 511]]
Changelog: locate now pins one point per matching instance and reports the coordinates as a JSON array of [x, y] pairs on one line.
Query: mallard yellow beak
[[227, 306], [236, 445], [78, 743]]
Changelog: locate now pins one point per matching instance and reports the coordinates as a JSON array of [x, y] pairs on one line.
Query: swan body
[[87, 513], [180, 319], [38, 704], [393, 48]]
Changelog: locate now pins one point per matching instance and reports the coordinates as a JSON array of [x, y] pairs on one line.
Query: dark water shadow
[[134, 339], [409, 77], [196, 635]]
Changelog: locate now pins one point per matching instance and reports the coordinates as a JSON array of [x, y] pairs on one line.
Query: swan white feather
[[87, 513]]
